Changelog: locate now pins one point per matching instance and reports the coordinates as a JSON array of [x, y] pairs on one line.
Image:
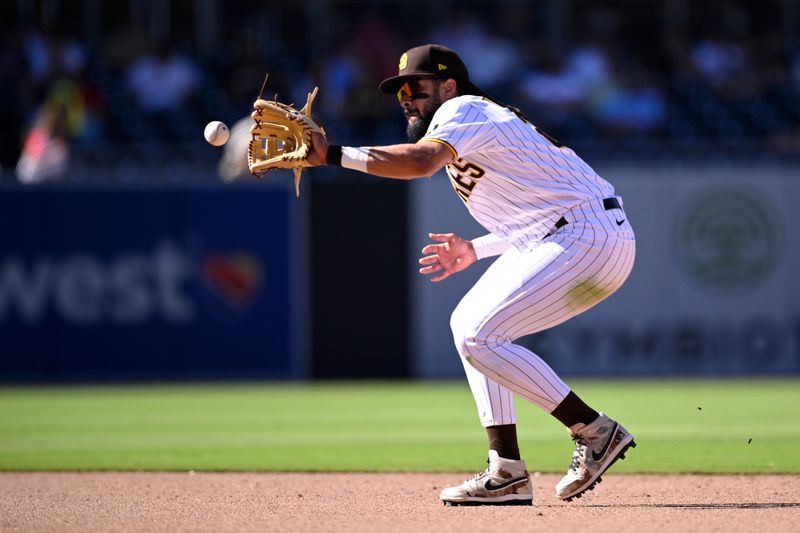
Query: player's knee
[[470, 339], [459, 325], [458, 332]]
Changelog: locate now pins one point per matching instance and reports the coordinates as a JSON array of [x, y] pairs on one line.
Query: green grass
[[680, 425]]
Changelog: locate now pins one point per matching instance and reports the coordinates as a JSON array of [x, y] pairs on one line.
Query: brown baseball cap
[[430, 61]]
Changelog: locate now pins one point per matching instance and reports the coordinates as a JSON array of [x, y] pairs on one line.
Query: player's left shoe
[[597, 446], [505, 482]]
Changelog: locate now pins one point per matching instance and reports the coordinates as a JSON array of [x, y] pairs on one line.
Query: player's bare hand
[[452, 254], [319, 149]]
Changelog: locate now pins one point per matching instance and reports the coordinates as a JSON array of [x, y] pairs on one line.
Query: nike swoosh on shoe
[[597, 456], [489, 485]]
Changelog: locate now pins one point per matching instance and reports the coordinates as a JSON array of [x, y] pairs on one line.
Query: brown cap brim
[[393, 84]]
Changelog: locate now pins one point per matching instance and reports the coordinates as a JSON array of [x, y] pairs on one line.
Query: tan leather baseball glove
[[280, 137]]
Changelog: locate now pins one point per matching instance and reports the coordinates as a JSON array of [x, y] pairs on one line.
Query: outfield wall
[[249, 282], [715, 287]]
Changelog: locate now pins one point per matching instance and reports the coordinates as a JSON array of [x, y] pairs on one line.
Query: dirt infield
[[383, 502]]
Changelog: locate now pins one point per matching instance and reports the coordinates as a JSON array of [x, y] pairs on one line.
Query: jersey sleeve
[[490, 245], [462, 125]]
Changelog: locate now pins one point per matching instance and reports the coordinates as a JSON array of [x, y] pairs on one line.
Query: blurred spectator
[[552, 84], [82, 107], [162, 81], [249, 64], [374, 47], [464, 32], [377, 44], [632, 105], [123, 47], [720, 54], [45, 154], [572, 88], [68, 107], [493, 59], [498, 66], [718, 61], [75, 96], [721, 69], [38, 56], [48, 55], [339, 75]]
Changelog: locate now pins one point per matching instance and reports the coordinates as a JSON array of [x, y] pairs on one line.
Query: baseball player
[[564, 244]]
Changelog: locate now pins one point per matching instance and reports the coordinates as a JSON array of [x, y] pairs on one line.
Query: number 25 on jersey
[[464, 177]]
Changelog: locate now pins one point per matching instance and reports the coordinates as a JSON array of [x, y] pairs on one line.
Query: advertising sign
[[147, 283], [714, 289]]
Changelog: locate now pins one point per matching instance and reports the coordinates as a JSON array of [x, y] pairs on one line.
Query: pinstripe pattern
[[528, 183], [518, 184], [529, 291]]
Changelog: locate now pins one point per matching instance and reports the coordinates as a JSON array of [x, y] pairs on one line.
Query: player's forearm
[[403, 161], [398, 161]]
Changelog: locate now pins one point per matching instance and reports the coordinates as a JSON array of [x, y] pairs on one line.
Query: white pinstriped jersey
[[514, 181]]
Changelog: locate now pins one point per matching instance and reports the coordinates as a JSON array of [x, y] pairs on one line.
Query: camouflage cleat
[[505, 482], [597, 446]]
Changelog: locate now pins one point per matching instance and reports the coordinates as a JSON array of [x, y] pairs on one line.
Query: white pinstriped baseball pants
[[522, 293]]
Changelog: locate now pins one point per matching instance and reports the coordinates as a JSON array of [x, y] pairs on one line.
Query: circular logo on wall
[[728, 240]]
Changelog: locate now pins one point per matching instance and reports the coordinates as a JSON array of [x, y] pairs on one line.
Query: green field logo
[[728, 240]]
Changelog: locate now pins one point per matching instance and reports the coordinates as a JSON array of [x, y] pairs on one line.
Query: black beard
[[416, 130]]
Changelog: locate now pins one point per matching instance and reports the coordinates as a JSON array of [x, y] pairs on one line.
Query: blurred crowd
[[618, 84]]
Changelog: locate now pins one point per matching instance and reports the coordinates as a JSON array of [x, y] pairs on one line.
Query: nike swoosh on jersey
[[620, 222], [597, 456]]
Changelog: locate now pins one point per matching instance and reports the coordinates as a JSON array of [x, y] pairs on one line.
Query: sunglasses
[[411, 89]]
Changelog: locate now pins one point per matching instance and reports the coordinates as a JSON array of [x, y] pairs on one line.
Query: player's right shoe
[[597, 446], [504, 482]]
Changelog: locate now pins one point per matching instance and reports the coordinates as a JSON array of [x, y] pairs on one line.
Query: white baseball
[[216, 133]]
